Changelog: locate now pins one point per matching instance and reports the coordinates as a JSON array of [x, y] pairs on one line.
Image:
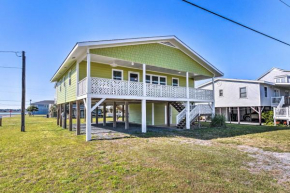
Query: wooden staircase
[[179, 107]]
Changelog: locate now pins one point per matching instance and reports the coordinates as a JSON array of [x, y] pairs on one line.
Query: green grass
[[47, 158]]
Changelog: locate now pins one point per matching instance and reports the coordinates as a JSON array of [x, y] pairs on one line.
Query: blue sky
[[47, 30]]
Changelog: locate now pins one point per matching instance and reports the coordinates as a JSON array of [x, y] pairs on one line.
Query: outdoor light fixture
[[132, 63], [179, 72], [114, 64]]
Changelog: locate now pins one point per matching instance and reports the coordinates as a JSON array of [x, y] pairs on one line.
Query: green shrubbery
[[268, 117], [218, 121]]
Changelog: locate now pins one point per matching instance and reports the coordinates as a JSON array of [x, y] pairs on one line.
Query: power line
[[284, 3], [15, 52], [261, 33]]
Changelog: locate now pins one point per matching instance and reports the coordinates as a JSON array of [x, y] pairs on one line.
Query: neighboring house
[[43, 107], [153, 78], [244, 100]]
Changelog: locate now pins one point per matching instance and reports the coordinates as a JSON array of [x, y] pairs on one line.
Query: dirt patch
[[278, 164], [194, 141]]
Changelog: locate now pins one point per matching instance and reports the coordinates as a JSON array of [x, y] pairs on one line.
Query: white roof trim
[[271, 71], [237, 80]]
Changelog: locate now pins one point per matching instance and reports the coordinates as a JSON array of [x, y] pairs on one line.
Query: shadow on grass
[[204, 133]]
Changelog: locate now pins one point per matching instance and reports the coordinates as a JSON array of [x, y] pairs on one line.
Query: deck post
[[127, 115], [168, 114], [187, 115], [153, 114], [114, 115], [97, 115], [239, 118], [78, 128], [64, 117], [123, 111], [60, 115], [144, 126], [144, 80], [70, 115], [88, 118], [104, 114], [260, 115], [57, 121]]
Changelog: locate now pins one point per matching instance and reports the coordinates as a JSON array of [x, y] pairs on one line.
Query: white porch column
[[144, 80], [104, 114], [114, 115], [213, 92], [88, 118], [152, 113], [187, 85], [88, 72], [126, 115], [187, 115], [144, 126]]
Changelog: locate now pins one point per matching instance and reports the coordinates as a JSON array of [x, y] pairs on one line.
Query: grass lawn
[[47, 158]]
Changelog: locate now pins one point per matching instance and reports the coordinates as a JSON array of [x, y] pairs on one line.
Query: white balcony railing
[[282, 112], [277, 101], [103, 86]]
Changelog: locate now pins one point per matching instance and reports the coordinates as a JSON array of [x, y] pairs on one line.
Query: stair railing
[[180, 116]]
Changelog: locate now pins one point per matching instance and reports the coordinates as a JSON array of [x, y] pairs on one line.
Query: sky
[[48, 29]]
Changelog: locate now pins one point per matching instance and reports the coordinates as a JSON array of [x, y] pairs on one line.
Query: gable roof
[[44, 102], [80, 49], [236, 80], [274, 68]]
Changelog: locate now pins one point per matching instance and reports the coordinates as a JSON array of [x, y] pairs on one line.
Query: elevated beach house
[[245, 100], [153, 78]]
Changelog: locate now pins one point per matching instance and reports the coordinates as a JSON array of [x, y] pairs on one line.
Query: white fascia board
[[236, 80]]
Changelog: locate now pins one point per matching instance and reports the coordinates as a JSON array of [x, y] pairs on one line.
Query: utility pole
[[23, 94]]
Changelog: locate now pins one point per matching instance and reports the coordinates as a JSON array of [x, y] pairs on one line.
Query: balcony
[[110, 87]]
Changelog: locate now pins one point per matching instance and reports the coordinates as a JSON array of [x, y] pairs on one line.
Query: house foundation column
[[153, 114], [104, 114], [239, 118], [126, 115], [97, 115], [64, 116], [114, 115], [260, 115], [78, 128], [58, 114], [88, 118], [144, 126], [123, 111], [70, 115], [168, 114]]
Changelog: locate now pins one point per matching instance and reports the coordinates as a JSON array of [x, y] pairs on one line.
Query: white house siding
[[231, 94], [270, 77]]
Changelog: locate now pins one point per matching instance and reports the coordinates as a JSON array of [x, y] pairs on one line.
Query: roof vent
[[168, 44]]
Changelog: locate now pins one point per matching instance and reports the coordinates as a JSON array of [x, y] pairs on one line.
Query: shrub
[[268, 117], [218, 121]]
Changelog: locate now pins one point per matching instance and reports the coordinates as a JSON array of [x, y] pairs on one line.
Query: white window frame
[[278, 92], [59, 84], [158, 79], [132, 72], [117, 70], [63, 80], [173, 78], [69, 78], [246, 92], [222, 91], [162, 77], [266, 92]]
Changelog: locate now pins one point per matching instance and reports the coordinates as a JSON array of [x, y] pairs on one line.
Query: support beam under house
[[78, 126]]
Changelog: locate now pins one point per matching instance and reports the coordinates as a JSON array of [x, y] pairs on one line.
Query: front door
[[287, 97], [276, 92]]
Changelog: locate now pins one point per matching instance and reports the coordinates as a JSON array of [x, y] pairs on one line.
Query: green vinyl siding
[[159, 113], [68, 92], [105, 71], [155, 54], [135, 113]]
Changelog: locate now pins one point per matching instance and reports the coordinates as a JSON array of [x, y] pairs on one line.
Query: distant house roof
[[271, 71], [44, 102], [236, 80]]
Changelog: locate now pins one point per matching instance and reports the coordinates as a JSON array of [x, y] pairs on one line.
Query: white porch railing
[[277, 101], [200, 109], [282, 112], [103, 86], [82, 87]]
